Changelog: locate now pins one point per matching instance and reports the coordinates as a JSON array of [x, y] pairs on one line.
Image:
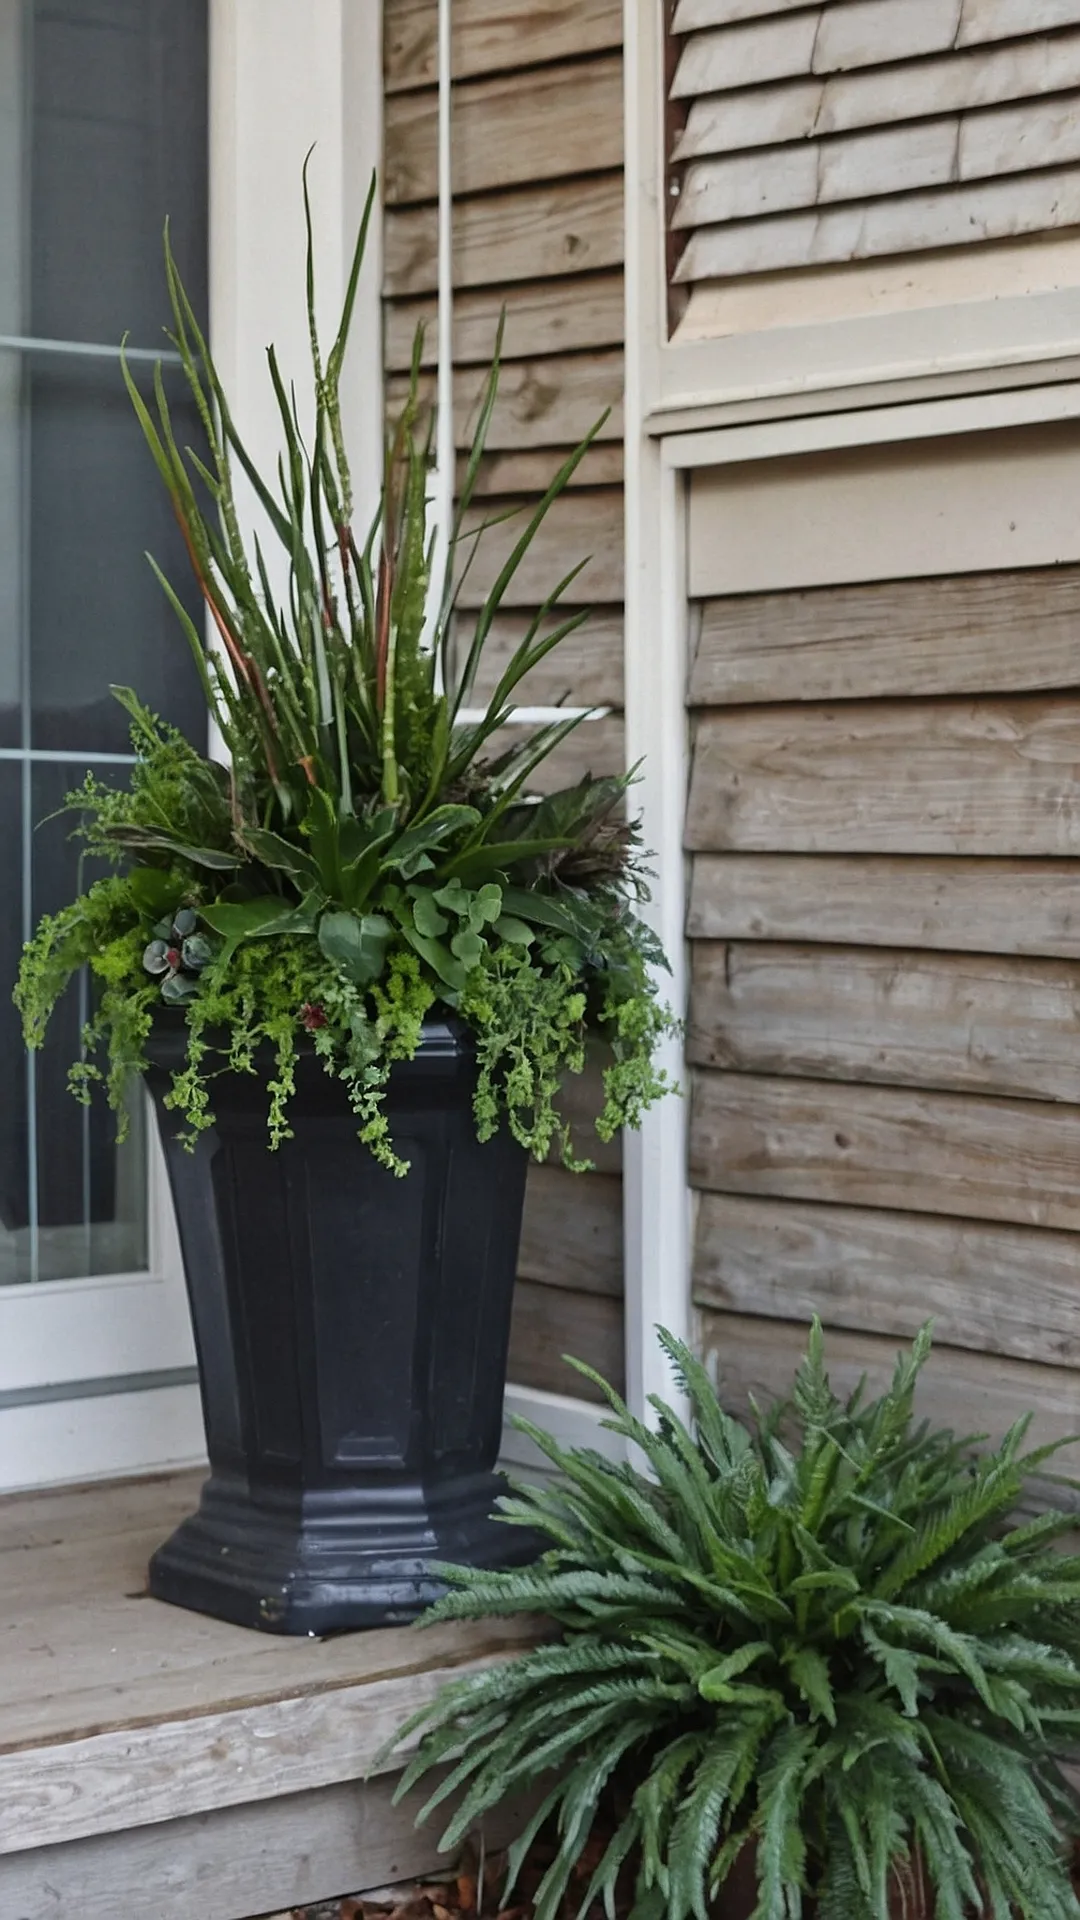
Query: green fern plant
[[819, 1640]]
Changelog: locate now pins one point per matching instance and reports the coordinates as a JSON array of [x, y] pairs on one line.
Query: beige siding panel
[[955, 777], [967, 1392], [852, 33], [798, 109], [571, 1235], [540, 403], [924, 153], [746, 55], [692, 15], [908, 638], [591, 523], [525, 234], [971, 1023], [491, 36], [1008, 1290], [522, 127], [544, 317], [595, 747], [1012, 1160], [988, 210], [1000, 19], [581, 1098], [549, 1323], [886, 513], [979, 906], [532, 471], [585, 669]]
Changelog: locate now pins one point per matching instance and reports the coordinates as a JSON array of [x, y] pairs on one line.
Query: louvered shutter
[[815, 135]]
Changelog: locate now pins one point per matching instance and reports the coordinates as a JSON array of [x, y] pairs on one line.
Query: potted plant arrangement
[[812, 1666], [354, 964]]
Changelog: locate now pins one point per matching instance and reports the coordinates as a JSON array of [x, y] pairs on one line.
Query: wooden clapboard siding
[[992, 1289], [971, 1393], [528, 233], [903, 638], [537, 141], [976, 1023], [551, 1322], [543, 317], [595, 747], [587, 667], [491, 36], [572, 1232], [981, 1159], [540, 124], [977, 906], [540, 403], [995, 776]]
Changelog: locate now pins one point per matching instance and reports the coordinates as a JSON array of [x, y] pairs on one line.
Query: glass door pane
[[102, 137]]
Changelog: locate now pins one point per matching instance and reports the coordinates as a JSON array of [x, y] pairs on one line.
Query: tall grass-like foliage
[[821, 1637], [374, 848]]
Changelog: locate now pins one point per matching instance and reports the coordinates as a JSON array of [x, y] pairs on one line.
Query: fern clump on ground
[[821, 1637]]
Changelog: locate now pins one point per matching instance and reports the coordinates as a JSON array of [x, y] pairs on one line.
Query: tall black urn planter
[[352, 1333]]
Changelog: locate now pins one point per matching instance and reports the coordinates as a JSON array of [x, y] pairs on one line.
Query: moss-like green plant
[[821, 1637], [372, 848]]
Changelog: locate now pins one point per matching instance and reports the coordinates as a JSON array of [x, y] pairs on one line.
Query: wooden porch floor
[[159, 1765]]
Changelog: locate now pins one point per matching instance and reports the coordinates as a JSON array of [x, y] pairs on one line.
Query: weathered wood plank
[[543, 317], [897, 159], [585, 668], [294, 1849], [968, 1023], [528, 233], [533, 470], [692, 15], [828, 39], [955, 777], [1000, 19], [808, 108], [947, 1153], [540, 403], [490, 36], [1007, 1290], [868, 230], [910, 638], [520, 128], [550, 1322], [588, 523], [967, 1392], [596, 747], [975, 906], [581, 1098], [571, 1235]]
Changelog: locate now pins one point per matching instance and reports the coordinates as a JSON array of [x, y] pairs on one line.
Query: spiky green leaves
[[819, 1638]]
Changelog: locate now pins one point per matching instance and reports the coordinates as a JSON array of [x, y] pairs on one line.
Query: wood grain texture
[[692, 15], [588, 524], [581, 1099], [979, 906], [571, 1236], [805, 108], [970, 1393], [867, 230], [595, 747], [215, 1866], [982, 1159], [550, 403], [909, 638], [550, 1322], [971, 1023], [994, 776], [491, 36], [533, 470], [543, 317], [1006, 1290], [538, 124], [586, 667], [528, 233]]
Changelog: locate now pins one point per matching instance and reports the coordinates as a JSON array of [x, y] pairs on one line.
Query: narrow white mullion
[[443, 476], [656, 1194]]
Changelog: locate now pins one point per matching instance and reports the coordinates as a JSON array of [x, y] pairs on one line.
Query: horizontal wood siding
[[884, 1036], [538, 234]]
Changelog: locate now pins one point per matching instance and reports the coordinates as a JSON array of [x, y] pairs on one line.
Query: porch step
[[160, 1765]]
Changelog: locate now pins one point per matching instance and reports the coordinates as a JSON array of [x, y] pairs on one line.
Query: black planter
[[352, 1331]]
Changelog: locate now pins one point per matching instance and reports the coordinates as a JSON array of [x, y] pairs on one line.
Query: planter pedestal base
[[352, 1331], [356, 1560]]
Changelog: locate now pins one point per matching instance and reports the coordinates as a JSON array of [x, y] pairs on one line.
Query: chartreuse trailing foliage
[[374, 848], [821, 1637]]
